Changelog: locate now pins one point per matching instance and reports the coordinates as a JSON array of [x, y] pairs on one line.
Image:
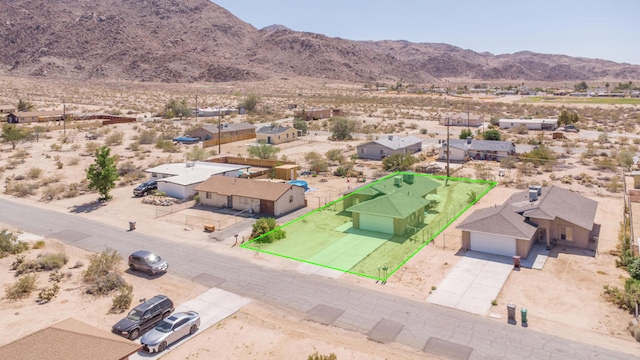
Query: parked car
[[148, 262], [144, 317], [170, 330], [571, 128], [145, 188]]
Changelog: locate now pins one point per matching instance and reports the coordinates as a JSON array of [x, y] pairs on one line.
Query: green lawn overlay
[[375, 229]]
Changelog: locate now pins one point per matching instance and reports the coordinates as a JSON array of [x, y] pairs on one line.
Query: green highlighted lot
[[380, 225]]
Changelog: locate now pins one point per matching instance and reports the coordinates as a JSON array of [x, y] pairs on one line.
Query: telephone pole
[[448, 126]]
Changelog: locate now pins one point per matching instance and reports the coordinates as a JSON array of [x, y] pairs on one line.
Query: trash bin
[[132, 225], [523, 314], [511, 312], [516, 261]]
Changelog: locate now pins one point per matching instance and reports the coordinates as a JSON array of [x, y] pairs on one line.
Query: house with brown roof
[[228, 132], [20, 117], [461, 119], [550, 215], [5, 109], [70, 340], [313, 114], [254, 196]]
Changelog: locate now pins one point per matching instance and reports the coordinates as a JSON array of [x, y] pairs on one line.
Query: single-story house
[[5, 109], [550, 215], [276, 134], [461, 150], [461, 119], [531, 124], [34, 116], [179, 180], [228, 131], [636, 162], [70, 340], [313, 114], [255, 196], [381, 148], [636, 179], [393, 205]]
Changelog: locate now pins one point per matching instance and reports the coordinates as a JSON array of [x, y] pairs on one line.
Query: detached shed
[[286, 172], [636, 179]]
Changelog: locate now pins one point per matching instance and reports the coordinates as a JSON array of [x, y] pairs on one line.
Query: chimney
[[469, 138], [408, 178]]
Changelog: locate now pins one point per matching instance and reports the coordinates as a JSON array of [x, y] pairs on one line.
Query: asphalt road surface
[[382, 317]]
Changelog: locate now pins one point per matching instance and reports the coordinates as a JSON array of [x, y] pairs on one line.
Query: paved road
[[383, 317]]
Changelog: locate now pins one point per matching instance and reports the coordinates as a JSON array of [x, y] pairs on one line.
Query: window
[[362, 150], [381, 152], [154, 175], [290, 198], [208, 196], [566, 233]]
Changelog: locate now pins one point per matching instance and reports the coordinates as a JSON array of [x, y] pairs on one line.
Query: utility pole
[[64, 119], [219, 130], [196, 108], [448, 126], [468, 120]]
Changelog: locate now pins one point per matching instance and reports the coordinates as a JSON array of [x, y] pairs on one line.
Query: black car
[[145, 188], [143, 317]]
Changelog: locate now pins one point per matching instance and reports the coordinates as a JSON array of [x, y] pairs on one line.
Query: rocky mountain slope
[[197, 40]]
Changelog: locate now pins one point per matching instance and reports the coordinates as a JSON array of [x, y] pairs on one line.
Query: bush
[[122, 301], [316, 356], [22, 288], [148, 137], [166, 146], [21, 189], [100, 274], [10, 245], [38, 244], [266, 230], [47, 294], [634, 268], [115, 138], [34, 173], [44, 262]]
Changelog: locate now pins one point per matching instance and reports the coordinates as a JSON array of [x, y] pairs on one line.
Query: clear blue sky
[[587, 28]]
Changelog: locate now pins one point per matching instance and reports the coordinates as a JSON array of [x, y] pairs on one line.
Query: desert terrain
[[558, 297]]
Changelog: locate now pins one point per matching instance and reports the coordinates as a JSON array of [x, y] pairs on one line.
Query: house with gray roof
[[461, 150], [389, 145], [550, 215]]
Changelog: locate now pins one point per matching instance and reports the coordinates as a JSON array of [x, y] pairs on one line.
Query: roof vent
[[536, 188], [533, 195], [191, 164], [390, 137], [469, 138], [397, 180], [408, 178]]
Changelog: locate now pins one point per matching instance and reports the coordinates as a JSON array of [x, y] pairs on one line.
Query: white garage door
[[493, 244], [376, 223]]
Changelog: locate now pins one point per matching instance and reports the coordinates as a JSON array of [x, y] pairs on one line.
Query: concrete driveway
[[473, 283], [213, 306]]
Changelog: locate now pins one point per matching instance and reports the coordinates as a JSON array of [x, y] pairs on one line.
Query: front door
[[230, 202]]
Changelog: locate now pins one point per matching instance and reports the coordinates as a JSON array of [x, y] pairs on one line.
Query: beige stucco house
[[550, 215], [276, 134], [253, 196]]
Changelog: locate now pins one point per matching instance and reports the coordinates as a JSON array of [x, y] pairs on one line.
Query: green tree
[[175, 108], [250, 102], [581, 86], [398, 162], [493, 135], [102, 174], [24, 105], [316, 162], [567, 118], [341, 128], [263, 151], [36, 131], [335, 155], [539, 156], [465, 133], [13, 135], [301, 125], [266, 230]]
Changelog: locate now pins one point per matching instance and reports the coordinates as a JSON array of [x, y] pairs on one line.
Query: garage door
[[376, 223], [493, 244]]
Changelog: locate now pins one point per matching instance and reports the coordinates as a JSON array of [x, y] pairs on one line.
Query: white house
[[178, 180], [531, 124]]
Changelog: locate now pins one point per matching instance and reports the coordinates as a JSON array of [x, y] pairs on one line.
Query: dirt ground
[[563, 299]]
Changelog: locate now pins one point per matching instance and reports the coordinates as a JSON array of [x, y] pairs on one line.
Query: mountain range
[[198, 41]]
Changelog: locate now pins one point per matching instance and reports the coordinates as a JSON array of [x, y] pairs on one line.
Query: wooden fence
[[227, 138], [250, 161]]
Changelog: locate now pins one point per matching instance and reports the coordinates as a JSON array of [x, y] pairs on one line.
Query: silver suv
[[148, 262]]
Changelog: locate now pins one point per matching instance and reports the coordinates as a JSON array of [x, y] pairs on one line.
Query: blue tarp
[[185, 139]]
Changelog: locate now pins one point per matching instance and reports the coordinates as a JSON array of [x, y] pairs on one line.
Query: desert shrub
[[77, 265], [56, 147], [197, 154], [17, 261], [22, 288], [91, 147], [43, 262], [115, 138], [266, 230], [73, 161], [47, 294], [72, 191], [38, 244], [52, 192], [101, 274], [34, 173], [423, 131], [10, 245], [122, 301], [57, 276], [634, 268], [626, 298], [50, 180], [335, 155], [147, 137], [21, 189], [317, 356], [126, 168], [166, 145]]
